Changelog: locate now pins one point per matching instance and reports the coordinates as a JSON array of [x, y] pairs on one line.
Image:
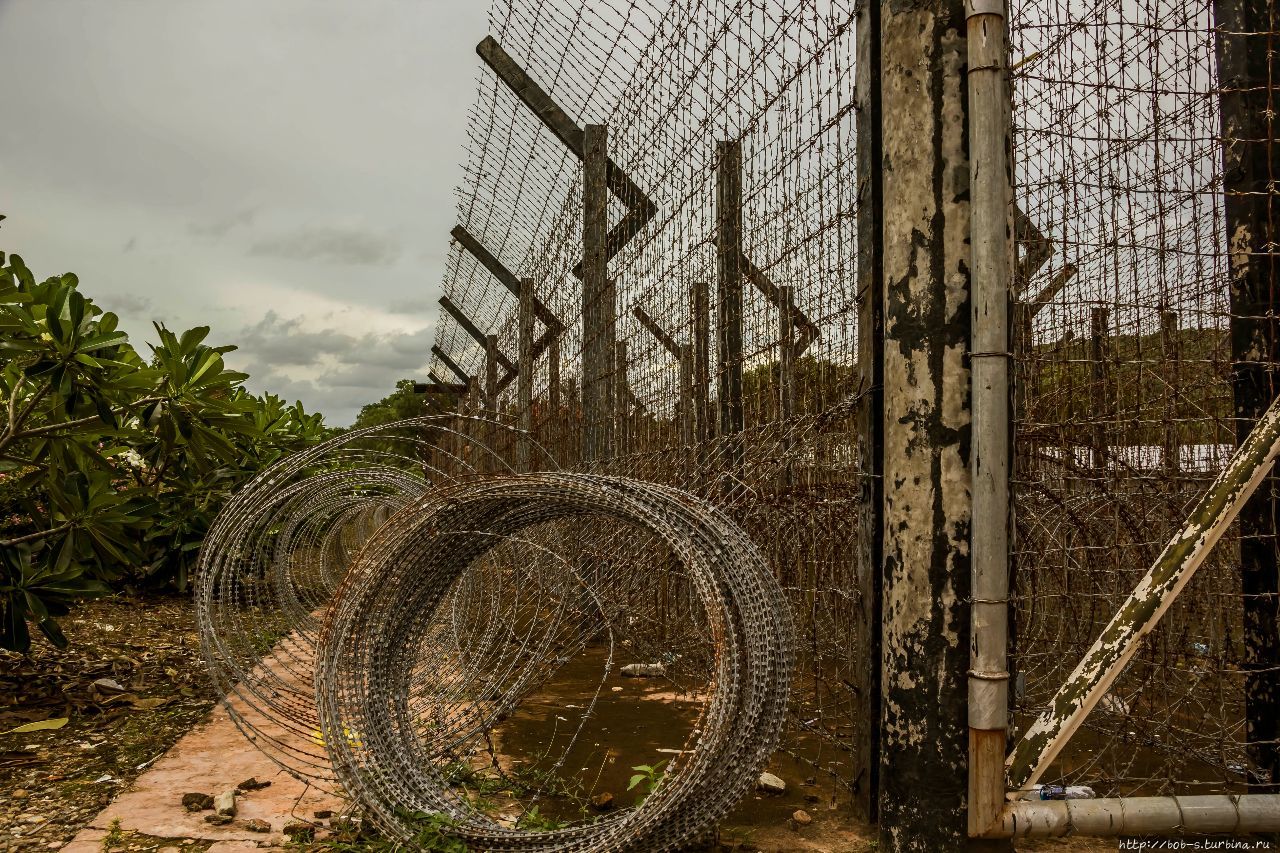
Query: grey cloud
[[126, 303], [279, 342], [330, 245], [222, 226], [413, 306]]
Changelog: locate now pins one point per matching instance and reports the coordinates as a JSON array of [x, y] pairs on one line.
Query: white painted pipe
[[1226, 814]]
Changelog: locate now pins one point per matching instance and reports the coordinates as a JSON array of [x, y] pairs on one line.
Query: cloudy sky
[[280, 170]]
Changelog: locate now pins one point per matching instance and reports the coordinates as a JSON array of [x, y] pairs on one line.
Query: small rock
[[616, 689], [169, 850], [197, 802], [109, 685], [801, 817], [812, 780], [252, 784], [225, 803], [602, 802], [218, 819], [257, 825], [19, 794], [323, 813], [771, 784], [811, 798], [300, 831], [644, 670]]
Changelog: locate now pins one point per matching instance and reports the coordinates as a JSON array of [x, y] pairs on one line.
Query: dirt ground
[[133, 683], [130, 685]]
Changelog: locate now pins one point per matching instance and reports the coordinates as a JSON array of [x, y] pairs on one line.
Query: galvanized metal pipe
[[990, 217], [1226, 814]]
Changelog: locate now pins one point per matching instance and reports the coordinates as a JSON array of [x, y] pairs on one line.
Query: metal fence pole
[[991, 193]]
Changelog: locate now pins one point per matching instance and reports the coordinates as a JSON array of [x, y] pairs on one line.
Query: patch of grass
[[115, 837]]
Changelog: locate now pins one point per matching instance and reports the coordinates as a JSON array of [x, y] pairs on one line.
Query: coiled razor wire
[[402, 691], [282, 545], [377, 609]]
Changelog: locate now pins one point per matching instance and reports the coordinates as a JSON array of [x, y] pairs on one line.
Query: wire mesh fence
[[1125, 358], [1124, 406]]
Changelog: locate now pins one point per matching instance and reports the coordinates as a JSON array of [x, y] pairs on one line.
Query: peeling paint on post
[[927, 501], [1248, 65], [1153, 595]]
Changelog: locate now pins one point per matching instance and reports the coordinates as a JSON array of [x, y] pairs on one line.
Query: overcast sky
[[280, 170]]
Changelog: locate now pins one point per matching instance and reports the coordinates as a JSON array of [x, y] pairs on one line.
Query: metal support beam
[[1248, 66], [685, 413], [452, 365], [925, 233], [599, 304], [478, 336], [651, 326], [1100, 397], [491, 373], [622, 400], [1150, 599], [1171, 452], [800, 320], [504, 276], [640, 209]]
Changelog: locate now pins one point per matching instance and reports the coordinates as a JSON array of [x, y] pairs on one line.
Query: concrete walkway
[[211, 758]]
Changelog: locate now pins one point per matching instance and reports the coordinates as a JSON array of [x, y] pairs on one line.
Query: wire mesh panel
[[735, 120], [1124, 347]]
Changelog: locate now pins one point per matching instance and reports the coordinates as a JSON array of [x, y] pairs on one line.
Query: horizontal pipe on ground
[[1209, 814]]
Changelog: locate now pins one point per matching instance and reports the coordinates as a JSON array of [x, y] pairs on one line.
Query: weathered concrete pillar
[[598, 300], [924, 176], [1247, 66]]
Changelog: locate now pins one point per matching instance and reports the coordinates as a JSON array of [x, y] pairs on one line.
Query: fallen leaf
[[151, 703], [43, 725]]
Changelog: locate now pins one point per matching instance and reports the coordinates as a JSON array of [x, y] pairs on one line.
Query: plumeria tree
[[113, 466]]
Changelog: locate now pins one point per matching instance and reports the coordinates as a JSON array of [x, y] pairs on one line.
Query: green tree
[[112, 467]]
